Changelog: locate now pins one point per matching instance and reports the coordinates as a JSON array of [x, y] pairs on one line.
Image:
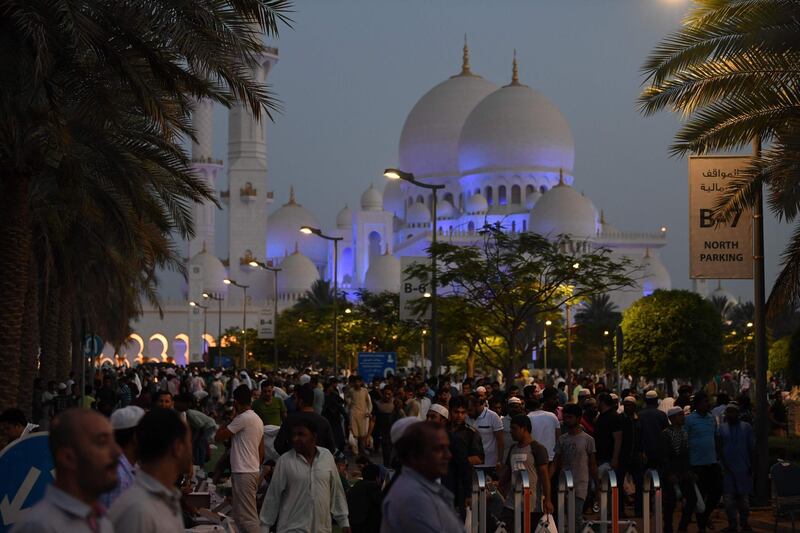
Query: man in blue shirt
[[701, 428], [737, 444]]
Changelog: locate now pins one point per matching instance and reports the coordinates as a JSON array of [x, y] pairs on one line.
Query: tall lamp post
[[258, 264], [318, 232], [546, 324], [397, 174], [218, 298], [228, 281], [205, 322]]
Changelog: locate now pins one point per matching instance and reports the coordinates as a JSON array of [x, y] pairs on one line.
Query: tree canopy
[[671, 334]]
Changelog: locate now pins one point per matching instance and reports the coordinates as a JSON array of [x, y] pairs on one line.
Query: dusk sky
[[351, 70]]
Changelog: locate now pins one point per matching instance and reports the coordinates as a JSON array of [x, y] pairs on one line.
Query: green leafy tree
[[514, 280], [780, 355], [731, 72], [671, 334]]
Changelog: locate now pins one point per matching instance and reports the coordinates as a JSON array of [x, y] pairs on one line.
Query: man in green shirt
[[271, 409]]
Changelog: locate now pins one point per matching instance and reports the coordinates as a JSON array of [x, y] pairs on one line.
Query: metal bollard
[[522, 501], [566, 485], [478, 502], [608, 484], [652, 483]]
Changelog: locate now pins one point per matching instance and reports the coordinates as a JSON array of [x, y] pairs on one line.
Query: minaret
[[247, 181], [207, 169]]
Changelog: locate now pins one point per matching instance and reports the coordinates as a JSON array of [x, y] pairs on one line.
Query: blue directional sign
[[27, 468], [371, 364], [92, 345]]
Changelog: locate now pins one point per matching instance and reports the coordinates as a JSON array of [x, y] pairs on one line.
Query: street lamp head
[[226, 281], [426, 294], [348, 311], [254, 264], [308, 230], [548, 322], [749, 324], [193, 303], [206, 295], [576, 266], [397, 174], [605, 332], [663, 229]]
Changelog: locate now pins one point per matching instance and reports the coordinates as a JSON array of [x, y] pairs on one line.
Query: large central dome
[[429, 141], [516, 129]]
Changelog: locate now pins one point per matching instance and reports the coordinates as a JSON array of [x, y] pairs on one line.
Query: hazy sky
[[351, 70]]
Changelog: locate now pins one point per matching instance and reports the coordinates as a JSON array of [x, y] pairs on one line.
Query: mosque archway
[[516, 195], [488, 194], [501, 195], [374, 244]]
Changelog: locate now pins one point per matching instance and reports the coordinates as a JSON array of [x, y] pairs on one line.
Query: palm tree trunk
[[48, 365], [29, 345], [471, 363], [65, 317], [15, 250]]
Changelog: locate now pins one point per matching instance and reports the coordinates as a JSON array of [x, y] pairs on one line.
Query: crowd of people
[[158, 448]]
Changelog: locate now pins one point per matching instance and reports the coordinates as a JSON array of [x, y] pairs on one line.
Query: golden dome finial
[[296, 248], [647, 253], [204, 247], [514, 70], [291, 195], [387, 249], [561, 176], [602, 217], [465, 71]]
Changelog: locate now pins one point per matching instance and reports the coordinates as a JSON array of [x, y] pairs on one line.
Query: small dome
[[655, 275], [429, 141], [563, 210], [477, 204], [283, 231], [372, 200], [393, 200], [606, 228], [418, 214], [532, 198], [383, 274], [213, 272], [297, 275], [444, 209], [344, 219], [516, 129], [719, 292]]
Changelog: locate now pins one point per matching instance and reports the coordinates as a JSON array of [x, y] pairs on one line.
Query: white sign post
[[411, 289], [266, 324]]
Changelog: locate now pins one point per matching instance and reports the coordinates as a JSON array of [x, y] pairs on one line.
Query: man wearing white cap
[[674, 470], [652, 422], [124, 422]]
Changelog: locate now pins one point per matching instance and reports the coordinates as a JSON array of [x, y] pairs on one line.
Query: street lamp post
[[318, 232], [275, 309], [395, 174], [244, 288], [205, 322], [546, 324], [218, 298]]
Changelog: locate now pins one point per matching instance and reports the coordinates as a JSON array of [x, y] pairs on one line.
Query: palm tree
[[93, 109], [732, 72], [722, 305], [598, 309]]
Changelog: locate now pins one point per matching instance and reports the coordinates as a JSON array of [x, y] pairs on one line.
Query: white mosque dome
[[532, 198], [393, 200], [213, 272], [444, 209], [429, 141], [418, 214], [477, 204], [344, 219], [298, 273], [372, 199], [719, 292], [283, 231], [563, 210], [654, 275], [383, 274], [516, 129]]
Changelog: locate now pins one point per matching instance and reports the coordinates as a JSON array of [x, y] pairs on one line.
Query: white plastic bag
[[546, 525], [701, 505]]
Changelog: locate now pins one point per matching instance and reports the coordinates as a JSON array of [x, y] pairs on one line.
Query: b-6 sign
[[717, 250], [412, 289]]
